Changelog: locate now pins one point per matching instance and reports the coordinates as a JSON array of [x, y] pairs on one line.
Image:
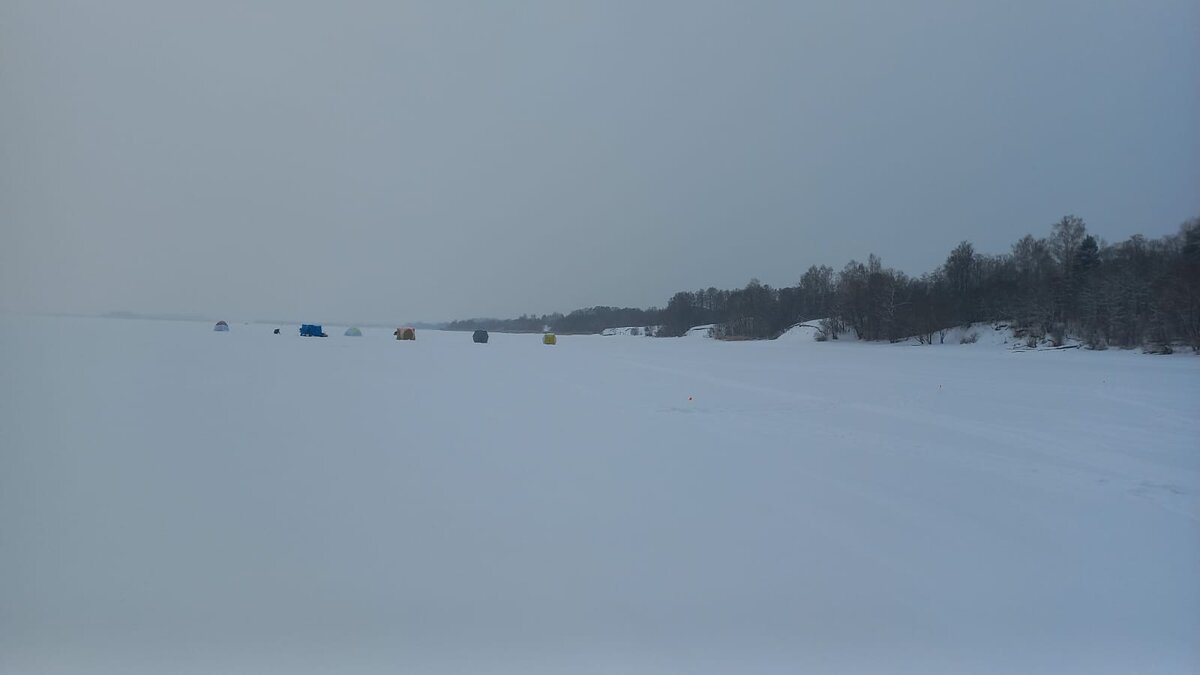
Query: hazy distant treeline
[[590, 320], [1136, 292]]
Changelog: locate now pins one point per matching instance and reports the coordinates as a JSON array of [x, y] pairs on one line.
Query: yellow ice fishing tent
[[549, 339]]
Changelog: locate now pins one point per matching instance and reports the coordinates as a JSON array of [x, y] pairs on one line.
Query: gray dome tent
[[353, 331]]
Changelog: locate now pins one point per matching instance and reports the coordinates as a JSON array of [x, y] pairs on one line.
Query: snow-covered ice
[[178, 500]]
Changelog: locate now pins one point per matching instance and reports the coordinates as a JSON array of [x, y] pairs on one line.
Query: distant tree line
[[590, 320], [1138, 292]]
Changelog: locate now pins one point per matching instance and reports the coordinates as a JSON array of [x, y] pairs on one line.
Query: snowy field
[[174, 500]]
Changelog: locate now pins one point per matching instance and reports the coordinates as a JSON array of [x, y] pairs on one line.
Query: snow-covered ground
[[178, 500]]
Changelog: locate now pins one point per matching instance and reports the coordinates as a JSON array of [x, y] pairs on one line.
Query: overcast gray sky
[[379, 161]]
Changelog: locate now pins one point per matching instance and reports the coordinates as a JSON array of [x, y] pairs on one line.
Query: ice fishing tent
[[311, 330], [549, 339], [221, 327], [405, 334], [353, 331], [480, 336]]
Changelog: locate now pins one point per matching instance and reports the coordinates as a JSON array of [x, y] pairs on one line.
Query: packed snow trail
[[249, 502]]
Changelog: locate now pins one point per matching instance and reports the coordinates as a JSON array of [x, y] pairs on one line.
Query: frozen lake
[[178, 500]]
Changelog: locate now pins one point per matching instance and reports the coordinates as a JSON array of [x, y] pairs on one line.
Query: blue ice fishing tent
[[311, 330]]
